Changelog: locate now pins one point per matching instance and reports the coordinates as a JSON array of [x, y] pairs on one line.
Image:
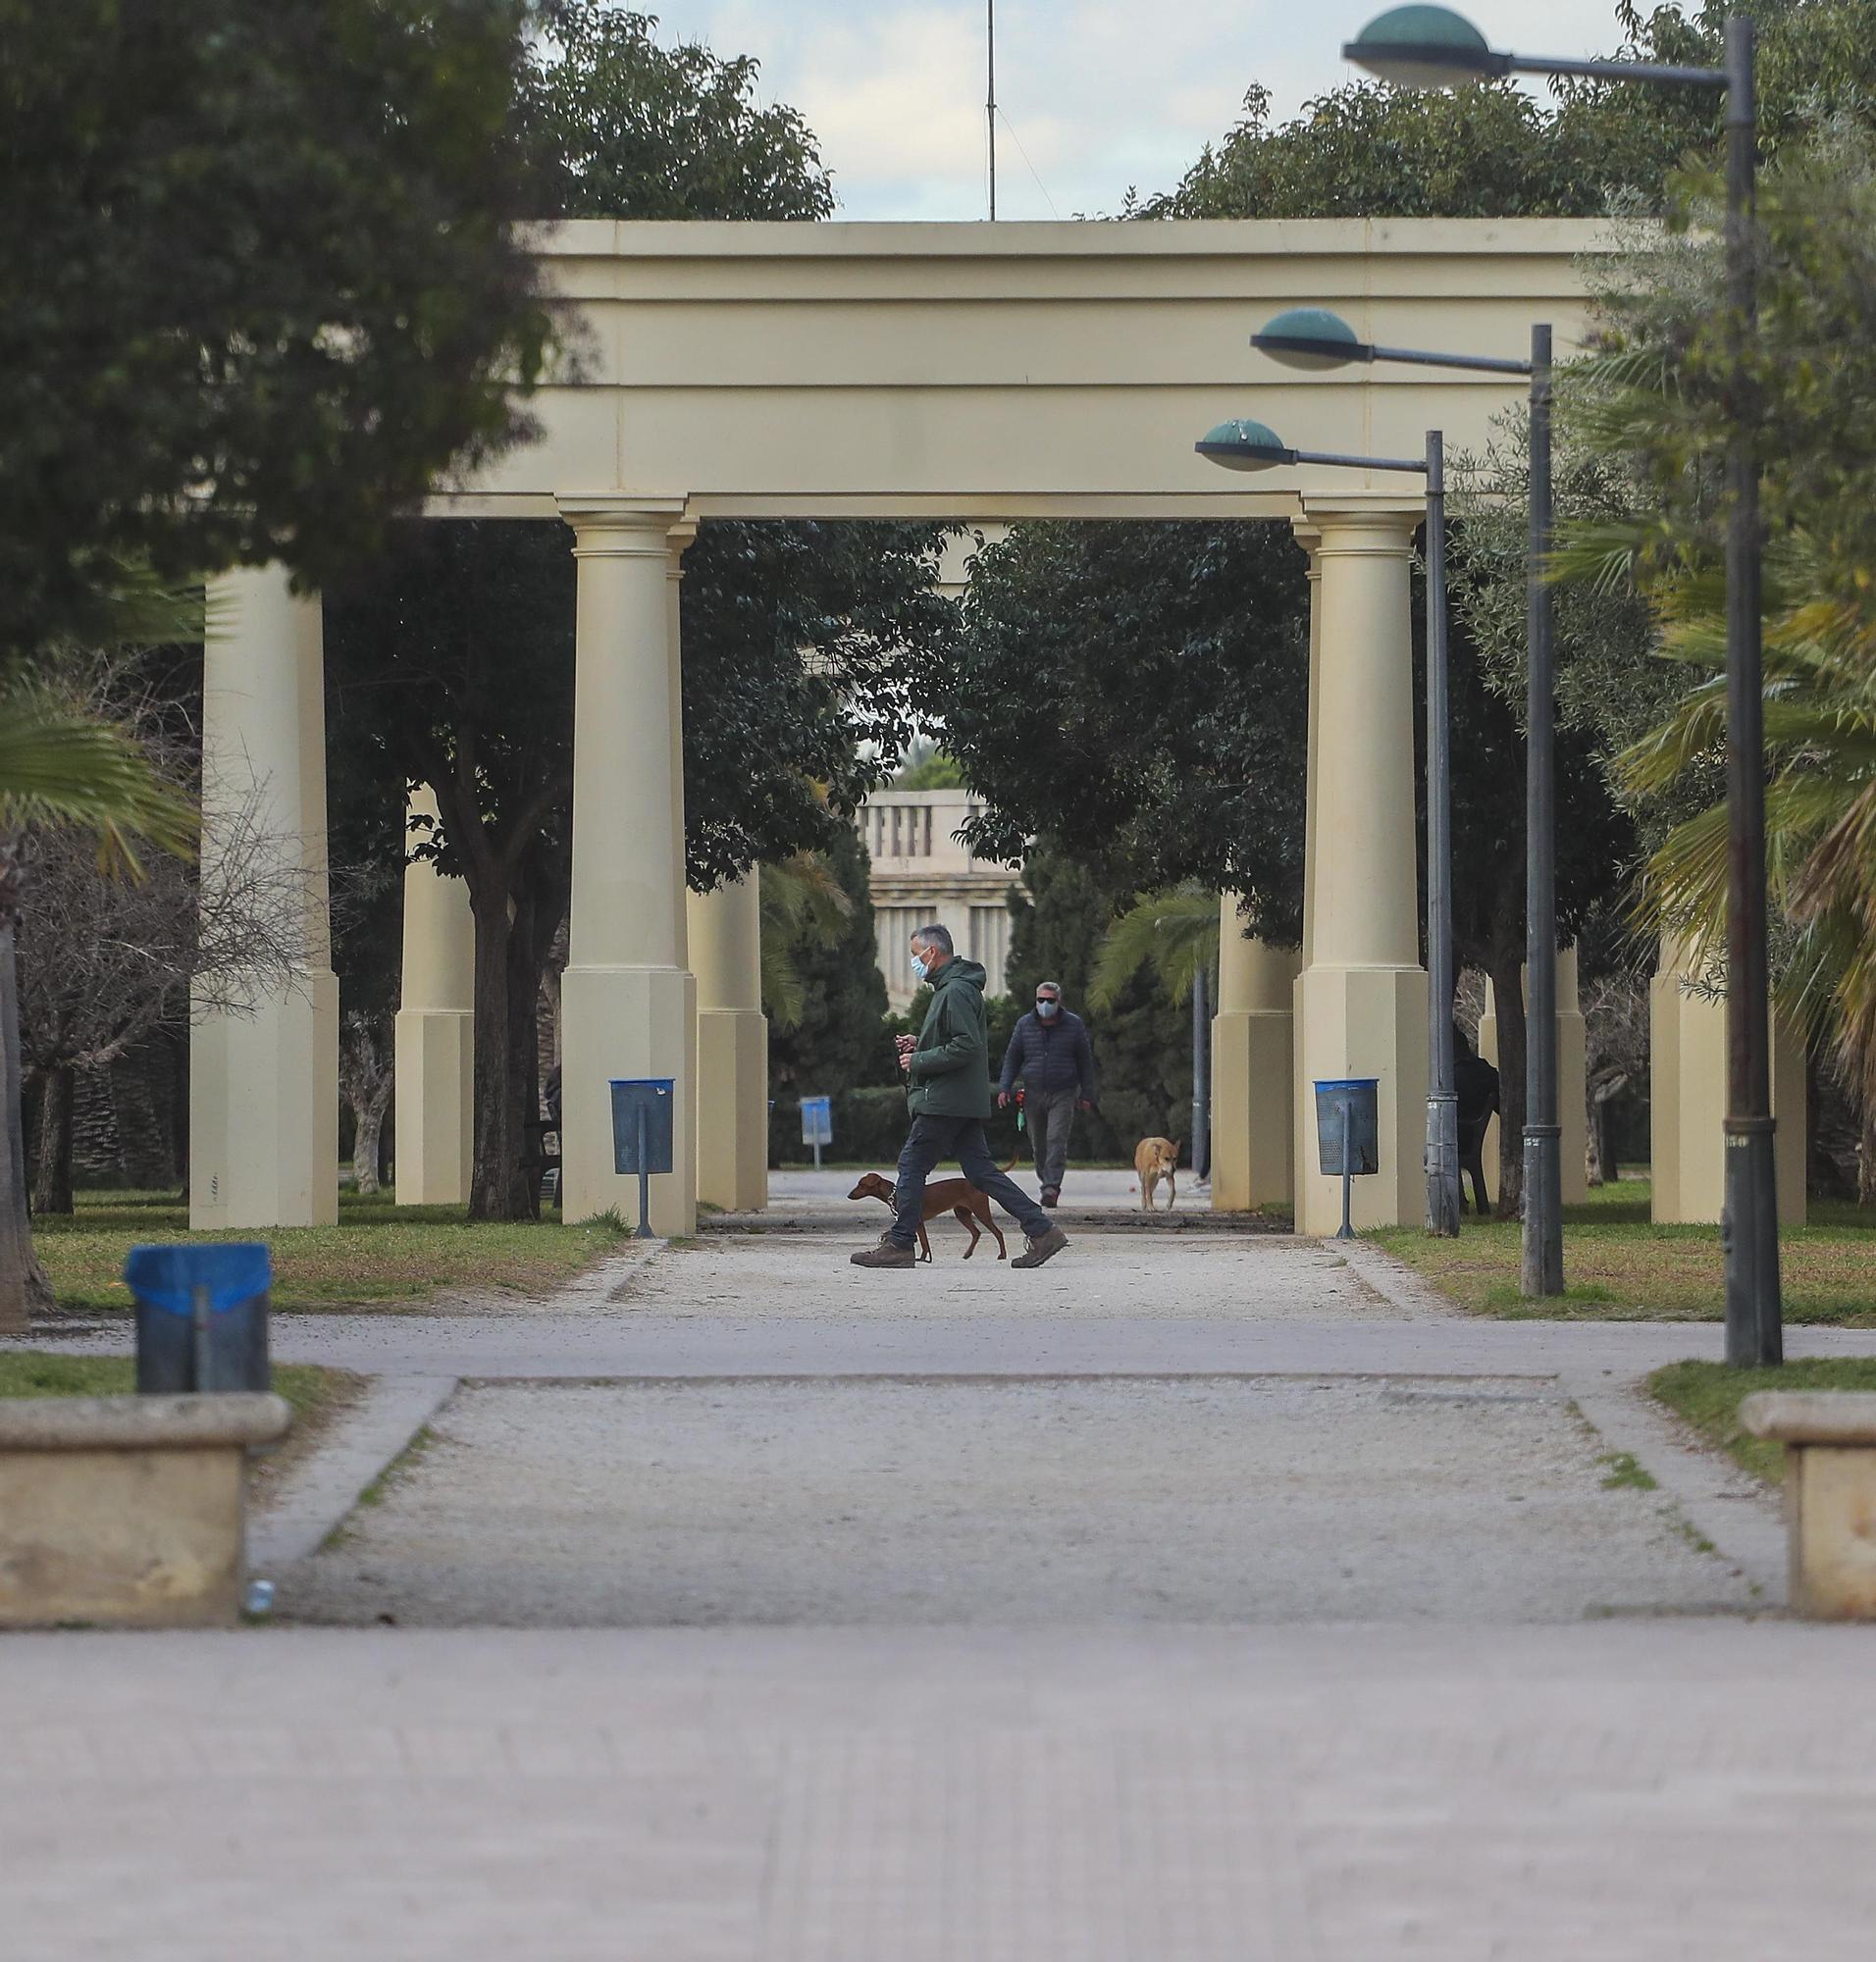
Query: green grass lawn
[[317, 1395], [378, 1255], [1618, 1266], [1708, 1395]]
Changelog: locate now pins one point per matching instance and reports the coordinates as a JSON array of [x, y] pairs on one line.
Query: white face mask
[[918, 967], [1048, 1011]]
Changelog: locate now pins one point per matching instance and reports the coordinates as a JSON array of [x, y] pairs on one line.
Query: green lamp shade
[[1311, 337], [1243, 445], [1424, 47]]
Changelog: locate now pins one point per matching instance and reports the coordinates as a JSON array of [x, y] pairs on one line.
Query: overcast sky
[[1095, 94]]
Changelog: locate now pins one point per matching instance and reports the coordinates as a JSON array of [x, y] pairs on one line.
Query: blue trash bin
[[644, 1124], [201, 1316], [1348, 1133]]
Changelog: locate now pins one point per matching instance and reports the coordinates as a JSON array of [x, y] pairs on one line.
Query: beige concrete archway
[[987, 373]]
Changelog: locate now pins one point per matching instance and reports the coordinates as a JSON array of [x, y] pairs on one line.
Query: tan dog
[[1156, 1159], [955, 1196]]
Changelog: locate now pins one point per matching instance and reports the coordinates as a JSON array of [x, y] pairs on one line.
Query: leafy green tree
[[61, 767], [261, 284], [929, 767], [620, 126], [1660, 396], [827, 1008], [1141, 1038], [1137, 696], [810, 632]]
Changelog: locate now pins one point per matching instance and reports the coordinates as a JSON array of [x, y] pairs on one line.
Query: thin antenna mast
[[990, 106]]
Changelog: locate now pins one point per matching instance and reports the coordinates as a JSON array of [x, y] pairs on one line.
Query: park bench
[[1830, 1495], [128, 1511]]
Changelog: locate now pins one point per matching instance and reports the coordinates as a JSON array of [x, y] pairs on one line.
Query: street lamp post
[[1252, 445], [1312, 337], [1433, 47]]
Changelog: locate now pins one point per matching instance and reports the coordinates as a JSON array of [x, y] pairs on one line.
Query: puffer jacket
[[950, 1066], [1052, 1058]]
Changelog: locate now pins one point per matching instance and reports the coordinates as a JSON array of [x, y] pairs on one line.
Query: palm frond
[[59, 765], [799, 898], [1174, 932]]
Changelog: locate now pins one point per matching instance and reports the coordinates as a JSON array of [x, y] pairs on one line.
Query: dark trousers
[[963, 1139], [1049, 1119]]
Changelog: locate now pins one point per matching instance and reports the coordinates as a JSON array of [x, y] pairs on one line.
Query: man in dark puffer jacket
[[1051, 1051], [947, 1070]]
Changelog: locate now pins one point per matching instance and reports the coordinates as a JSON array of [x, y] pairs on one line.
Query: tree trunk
[[1507, 991], [368, 1125], [23, 1281], [1866, 1156], [1599, 1149], [499, 1188], [52, 1181]]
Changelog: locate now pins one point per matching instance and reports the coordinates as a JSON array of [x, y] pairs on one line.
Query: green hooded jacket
[[950, 1066]]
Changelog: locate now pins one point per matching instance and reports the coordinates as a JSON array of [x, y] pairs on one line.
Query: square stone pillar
[[1687, 1101], [436, 1028], [264, 1083], [1253, 1070], [629, 1004], [1362, 996], [732, 1045]]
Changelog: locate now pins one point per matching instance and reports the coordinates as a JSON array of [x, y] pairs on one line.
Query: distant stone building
[[921, 873]]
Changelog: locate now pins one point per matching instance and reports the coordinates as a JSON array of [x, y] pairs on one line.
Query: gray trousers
[[1050, 1120]]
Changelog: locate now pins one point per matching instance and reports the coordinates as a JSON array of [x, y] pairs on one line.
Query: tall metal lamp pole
[[1434, 48]]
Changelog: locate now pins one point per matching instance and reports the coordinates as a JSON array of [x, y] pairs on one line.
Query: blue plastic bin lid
[[166, 1277], [1347, 1082], [659, 1086]]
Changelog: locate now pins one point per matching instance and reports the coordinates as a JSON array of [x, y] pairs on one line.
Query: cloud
[[1095, 94]]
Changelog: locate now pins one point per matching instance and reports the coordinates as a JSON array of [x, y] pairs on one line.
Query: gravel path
[[1007, 1502]]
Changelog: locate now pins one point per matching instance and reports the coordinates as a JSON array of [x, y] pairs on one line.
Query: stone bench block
[[127, 1510], [1830, 1495]]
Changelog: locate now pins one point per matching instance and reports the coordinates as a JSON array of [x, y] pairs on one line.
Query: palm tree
[[1820, 802], [61, 766], [1174, 933], [801, 892]]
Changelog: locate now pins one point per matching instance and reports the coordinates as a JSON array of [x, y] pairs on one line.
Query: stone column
[[1687, 1101], [1363, 994], [436, 1029], [629, 1005], [1253, 1070], [1571, 1081], [677, 541], [264, 1084], [732, 1045], [1302, 1099]]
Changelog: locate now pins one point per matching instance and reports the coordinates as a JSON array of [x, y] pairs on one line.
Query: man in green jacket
[[948, 1069]]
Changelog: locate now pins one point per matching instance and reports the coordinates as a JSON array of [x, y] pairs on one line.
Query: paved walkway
[[1199, 1595]]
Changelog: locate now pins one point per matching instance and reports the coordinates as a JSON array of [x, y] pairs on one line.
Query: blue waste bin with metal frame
[[1348, 1133], [643, 1130], [201, 1316]]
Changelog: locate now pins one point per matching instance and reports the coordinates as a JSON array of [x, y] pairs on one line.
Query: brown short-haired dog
[[1156, 1159], [955, 1196]]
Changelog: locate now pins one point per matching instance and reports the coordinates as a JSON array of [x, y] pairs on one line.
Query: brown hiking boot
[[1049, 1244], [1051, 1196], [888, 1253]]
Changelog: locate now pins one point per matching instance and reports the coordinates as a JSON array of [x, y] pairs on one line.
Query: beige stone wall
[[921, 873]]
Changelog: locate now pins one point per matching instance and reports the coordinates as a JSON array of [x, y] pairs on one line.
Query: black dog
[[1477, 1084]]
